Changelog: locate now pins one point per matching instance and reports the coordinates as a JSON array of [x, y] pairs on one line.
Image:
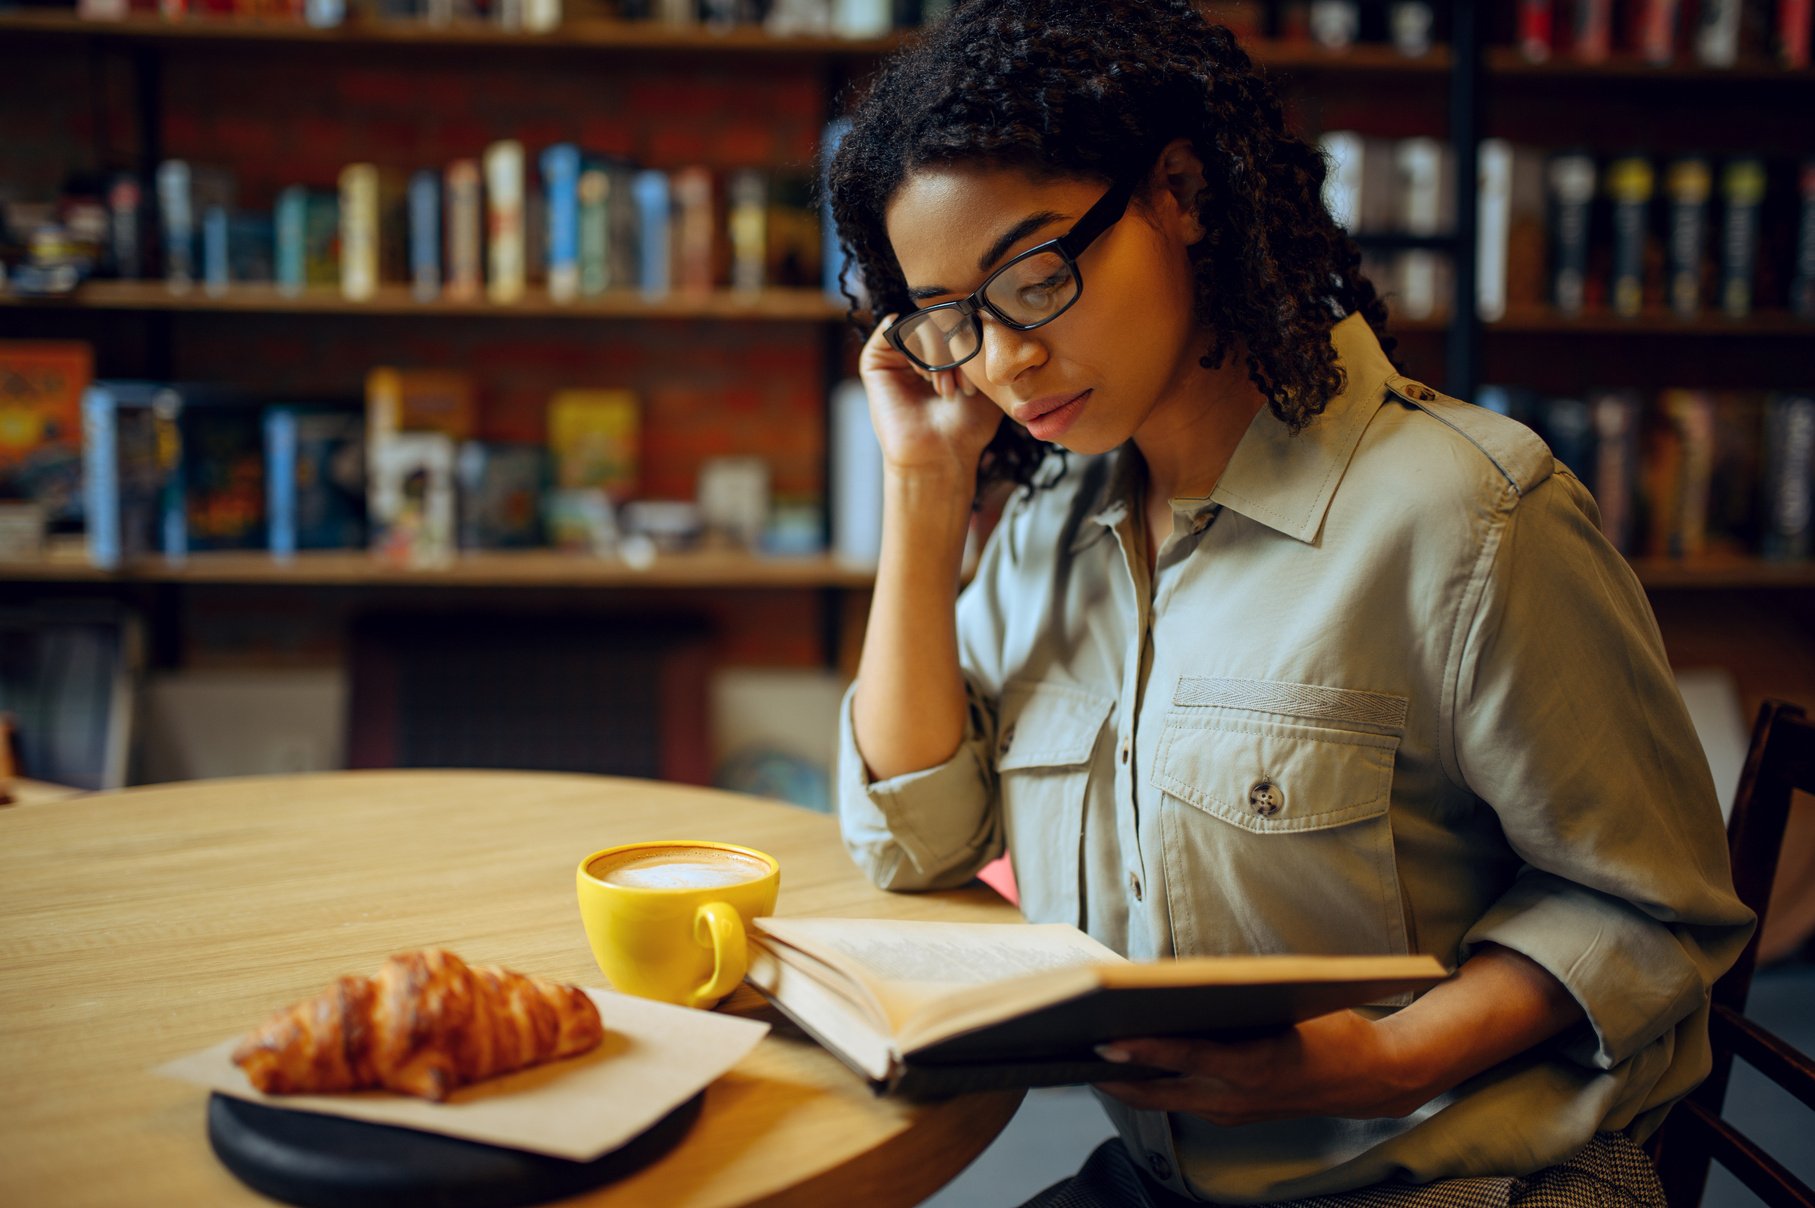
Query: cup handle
[[716, 925]]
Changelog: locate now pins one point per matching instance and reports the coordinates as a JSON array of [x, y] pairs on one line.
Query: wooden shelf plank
[[787, 305], [706, 569], [525, 568], [602, 35], [1508, 62], [1544, 321]]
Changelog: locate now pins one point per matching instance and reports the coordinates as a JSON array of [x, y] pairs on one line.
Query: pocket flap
[[1271, 777], [1048, 726]]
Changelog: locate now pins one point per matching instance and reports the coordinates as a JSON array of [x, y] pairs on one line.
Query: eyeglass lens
[[1028, 292]]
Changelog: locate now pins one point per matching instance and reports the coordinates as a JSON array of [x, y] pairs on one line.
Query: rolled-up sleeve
[[934, 828], [1568, 724]]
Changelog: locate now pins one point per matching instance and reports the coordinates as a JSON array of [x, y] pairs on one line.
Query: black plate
[[333, 1162]]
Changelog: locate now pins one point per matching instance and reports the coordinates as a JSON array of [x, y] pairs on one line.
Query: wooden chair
[[1781, 760]]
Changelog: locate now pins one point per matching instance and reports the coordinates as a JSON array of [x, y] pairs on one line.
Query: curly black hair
[[1094, 89]]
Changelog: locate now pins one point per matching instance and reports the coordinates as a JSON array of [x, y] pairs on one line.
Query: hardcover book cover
[[1688, 184], [465, 219], [1789, 478], [561, 188], [499, 491], [133, 503], [425, 235], [41, 388], [1571, 178], [505, 242], [594, 441], [1630, 180], [315, 477], [1742, 187]]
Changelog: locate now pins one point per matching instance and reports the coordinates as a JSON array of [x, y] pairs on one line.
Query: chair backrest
[[1780, 762]]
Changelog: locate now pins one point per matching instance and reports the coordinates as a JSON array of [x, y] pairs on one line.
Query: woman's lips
[[1051, 424]]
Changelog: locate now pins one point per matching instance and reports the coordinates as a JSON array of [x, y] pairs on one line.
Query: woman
[[1273, 649]]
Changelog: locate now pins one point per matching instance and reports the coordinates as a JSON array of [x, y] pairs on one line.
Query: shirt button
[[1266, 798], [1134, 884], [1008, 737], [1124, 749], [1198, 525], [1157, 1163]]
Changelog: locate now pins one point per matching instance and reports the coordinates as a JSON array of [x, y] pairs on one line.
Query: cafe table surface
[[142, 925]]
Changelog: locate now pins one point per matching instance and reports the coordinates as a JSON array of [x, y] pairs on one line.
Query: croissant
[[425, 1024]]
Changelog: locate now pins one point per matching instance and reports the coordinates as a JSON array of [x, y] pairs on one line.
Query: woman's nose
[[1008, 353]]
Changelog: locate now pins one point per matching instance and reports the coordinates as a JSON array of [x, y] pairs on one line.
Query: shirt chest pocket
[[1278, 836], [1047, 737]]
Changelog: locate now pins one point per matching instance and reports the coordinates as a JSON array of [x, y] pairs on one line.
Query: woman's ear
[[1181, 174]]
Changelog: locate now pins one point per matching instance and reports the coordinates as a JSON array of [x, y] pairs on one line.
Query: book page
[[908, 964]]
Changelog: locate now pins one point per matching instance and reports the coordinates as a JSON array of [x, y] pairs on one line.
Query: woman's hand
[[1499, 1004], [925, 421], [1334, 1065]]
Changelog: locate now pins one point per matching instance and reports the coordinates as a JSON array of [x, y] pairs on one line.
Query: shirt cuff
[[938, 818], [1630, 972]]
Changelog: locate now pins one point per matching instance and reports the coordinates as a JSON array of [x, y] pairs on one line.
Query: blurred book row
[[574, 224], [1709, 33], [836, 18], [163, 469], [1625, 233], [1685, 473]]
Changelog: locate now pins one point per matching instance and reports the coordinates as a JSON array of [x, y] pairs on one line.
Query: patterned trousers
[[1611, 1171]]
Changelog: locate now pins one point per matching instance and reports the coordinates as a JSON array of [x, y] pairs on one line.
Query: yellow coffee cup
[[666, 920]]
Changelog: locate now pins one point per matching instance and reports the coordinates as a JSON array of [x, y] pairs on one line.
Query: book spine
[[359, 232], [856, 486], [280, 482], [1789, 477], [125, 204], [1494, 225], [1335, 24], [1654, 30], [1536, 29], [653, 230], [694, 230], [748, 222], [325, 14], [541, 16], [1717, 33], [1420, 163], [465, 226], [1572, 184], [1568, 428], [1790, 37], [425, 235], [1683, 477], [215, 264], [561, 186], [101, 478], [1742, 190], [624, 241], [1616, 467], [1802, 286], [592, 191], [504, 187], [1688, 183], [1630, 180], [1410, 23], [291, 221], [177, 216], [1591, 32]]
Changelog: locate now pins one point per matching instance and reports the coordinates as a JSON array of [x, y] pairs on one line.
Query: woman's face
[[1091, 378]]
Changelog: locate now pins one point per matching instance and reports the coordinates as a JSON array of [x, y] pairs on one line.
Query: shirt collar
[[1286, 482], [1282, 481]]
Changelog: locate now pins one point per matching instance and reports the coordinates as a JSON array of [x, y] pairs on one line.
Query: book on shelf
[[220, 469], [1789, 477], [655, 237], [1681, 466], [793, 250], [187, 191], [695, 230], [1630, 180], [1717, 33], [126, 212], [747, 224], [411, 502], [1688, 185], [855, 487], [1509, 248], [420, 400], [1590, 30], [1790, 33], [41, 388], [507, 270], [1537, 29], [1617, 416], [1411, 24], [595, 441], [425, 235], [1334, 24], [1653, 24], [307, 234], [560, 166], [607, 225], [315, 476], [498, 494], [132, 492], [1802, 280], [924, 1009], [372, 219], [1570, 177], [465, 223], [1425, 184], [1742, 187]]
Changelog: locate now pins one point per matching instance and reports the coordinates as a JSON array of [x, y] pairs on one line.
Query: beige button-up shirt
[[1388, 690]]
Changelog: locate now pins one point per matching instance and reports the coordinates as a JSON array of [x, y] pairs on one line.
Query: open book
[[925, 1009]]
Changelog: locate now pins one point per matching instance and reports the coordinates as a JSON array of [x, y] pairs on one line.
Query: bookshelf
[[1474, 85]]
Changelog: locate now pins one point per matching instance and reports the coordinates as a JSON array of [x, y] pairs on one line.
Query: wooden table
[[139, 926]]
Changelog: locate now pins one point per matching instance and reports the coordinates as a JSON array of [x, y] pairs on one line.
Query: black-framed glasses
[[1029, 291]]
